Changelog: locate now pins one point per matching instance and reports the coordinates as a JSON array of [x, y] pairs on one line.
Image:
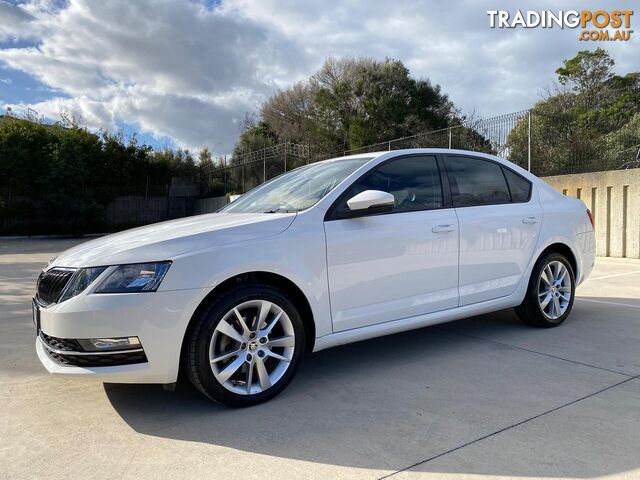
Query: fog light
[[110, 344]]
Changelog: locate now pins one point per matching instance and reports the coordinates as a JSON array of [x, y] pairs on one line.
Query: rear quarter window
[[519, 187]]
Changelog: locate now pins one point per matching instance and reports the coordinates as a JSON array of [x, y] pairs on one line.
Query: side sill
[[411, 323]]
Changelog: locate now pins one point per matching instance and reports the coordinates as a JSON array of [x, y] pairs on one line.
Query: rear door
[[399, 264], [499, 221]]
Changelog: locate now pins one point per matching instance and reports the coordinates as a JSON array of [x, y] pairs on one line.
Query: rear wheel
[[245, 348], [550, 294]]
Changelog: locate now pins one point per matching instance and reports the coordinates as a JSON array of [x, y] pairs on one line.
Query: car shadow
[[380, 404]]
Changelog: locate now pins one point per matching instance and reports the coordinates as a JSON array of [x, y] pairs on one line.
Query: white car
[[331, 253]]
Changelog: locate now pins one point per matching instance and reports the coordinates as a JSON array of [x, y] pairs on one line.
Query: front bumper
[[158, 319]]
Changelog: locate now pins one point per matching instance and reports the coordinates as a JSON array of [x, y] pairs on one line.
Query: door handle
[[443, 229], [529, 220]]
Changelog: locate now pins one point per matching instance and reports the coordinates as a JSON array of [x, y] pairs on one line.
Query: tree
[[256, 134], [358, 102], [622, 145], [205, 158], [60, 178], [287, 112], [587, 71], [573, 129], [347, 104]]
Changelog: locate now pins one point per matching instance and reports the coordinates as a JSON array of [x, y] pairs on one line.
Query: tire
[[550, 310], [250, 365]]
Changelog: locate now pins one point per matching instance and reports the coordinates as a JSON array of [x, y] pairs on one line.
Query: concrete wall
[[614, 198]]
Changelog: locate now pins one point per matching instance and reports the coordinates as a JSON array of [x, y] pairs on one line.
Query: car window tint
[[413, 181], [476, 182], [519, 186]]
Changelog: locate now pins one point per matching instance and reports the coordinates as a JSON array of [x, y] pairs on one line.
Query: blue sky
[[186, 72], [17, 86]]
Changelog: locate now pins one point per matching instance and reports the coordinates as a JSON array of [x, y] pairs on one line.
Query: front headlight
[[80, 281], [139, 277]]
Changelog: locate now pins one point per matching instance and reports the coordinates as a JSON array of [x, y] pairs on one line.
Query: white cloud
[[491, 71], [190, 72], [14, 21], [177, 70]]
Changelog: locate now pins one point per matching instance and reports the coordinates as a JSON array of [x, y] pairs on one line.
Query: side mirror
[[368, 202]]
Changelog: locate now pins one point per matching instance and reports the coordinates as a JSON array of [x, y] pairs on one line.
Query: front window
[[413, 181], [296, 190]]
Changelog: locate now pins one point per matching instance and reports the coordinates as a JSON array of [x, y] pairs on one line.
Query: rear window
[[476, 182]]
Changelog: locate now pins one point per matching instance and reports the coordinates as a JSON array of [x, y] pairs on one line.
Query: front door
[[399, 264]]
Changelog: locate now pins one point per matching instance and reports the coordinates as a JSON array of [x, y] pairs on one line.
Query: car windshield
[[296, 190]]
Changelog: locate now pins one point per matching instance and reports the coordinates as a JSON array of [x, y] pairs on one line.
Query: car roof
[[450, 151], [412, 150]]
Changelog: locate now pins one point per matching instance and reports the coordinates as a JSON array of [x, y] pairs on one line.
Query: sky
[[185, 73]]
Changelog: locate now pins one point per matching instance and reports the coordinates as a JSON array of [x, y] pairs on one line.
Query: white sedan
[[331, 253]]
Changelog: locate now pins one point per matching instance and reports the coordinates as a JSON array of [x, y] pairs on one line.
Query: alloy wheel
[[554, 290], [252, 347]]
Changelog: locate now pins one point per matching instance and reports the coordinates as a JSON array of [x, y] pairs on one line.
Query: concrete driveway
[[482, 397]]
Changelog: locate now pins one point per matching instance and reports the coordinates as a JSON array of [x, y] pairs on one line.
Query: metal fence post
[[529, 145], [285, 156], [264, 166], [224, 172], [449, 138], [146, 193], [389, 145]]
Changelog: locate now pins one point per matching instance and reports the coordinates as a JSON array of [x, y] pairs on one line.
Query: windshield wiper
[[280, 210]]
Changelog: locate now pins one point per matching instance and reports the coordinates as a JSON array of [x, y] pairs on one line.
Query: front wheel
[[246, 346], [550, 294]]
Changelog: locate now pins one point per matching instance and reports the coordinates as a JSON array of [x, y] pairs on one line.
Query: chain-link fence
[[531, 141], [481, 135], [250, 169]]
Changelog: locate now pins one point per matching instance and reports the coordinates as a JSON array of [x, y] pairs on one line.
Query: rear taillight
[[590, 215]]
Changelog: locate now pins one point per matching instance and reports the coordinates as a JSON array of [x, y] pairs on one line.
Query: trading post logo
[[597, 25]]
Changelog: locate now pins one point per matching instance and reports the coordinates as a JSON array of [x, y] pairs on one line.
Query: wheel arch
[[264, 278], [566, 251]]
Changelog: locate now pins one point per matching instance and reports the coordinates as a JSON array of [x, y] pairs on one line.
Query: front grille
[[51, 284]]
